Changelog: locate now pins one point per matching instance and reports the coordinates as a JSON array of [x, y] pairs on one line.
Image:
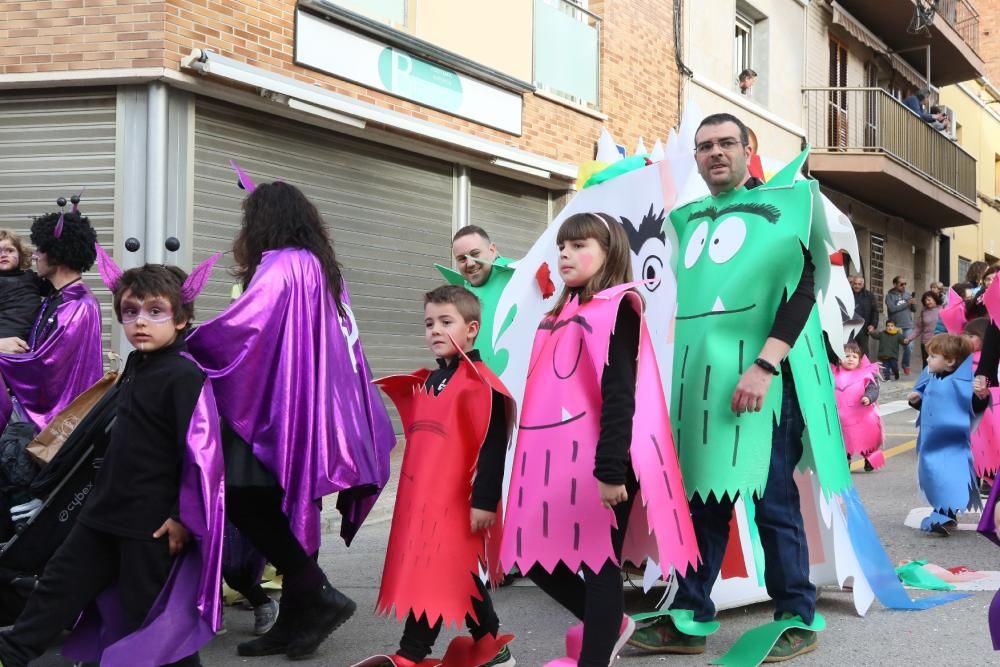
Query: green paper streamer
[[617, 169], [756, 548], [914, 575], [751, 649], [683, 620], [489, 296]]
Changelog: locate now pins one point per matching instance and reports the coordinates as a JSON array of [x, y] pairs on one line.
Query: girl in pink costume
[[856, 382], [584, 450]]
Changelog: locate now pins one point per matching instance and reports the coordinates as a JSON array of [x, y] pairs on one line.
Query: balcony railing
[[870, 120], [963, 17], [567, 48]]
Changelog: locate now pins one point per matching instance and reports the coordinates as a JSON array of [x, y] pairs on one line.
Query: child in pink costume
[[584, 450], [986, 435], [856, 383]]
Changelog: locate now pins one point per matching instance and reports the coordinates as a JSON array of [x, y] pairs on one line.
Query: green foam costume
[[739, 253], [489, 296]]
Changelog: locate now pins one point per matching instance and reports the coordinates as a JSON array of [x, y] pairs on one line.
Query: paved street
[[955, 634]]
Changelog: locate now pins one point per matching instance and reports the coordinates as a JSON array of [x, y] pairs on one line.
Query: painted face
[[442, 320], [721, 156], [467, 250], [580, 260], [149, 322], [9, 257], [938, 364], [850, 361]]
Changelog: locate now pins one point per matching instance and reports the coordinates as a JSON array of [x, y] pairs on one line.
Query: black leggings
[[598, 599], [256, 512], [419, 635]]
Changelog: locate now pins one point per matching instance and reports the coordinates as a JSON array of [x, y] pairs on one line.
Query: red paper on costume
[[433, 557]]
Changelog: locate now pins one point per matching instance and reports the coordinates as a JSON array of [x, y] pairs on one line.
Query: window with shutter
[[838, 98]]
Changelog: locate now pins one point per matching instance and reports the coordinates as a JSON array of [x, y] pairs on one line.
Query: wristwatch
[[766, 365]]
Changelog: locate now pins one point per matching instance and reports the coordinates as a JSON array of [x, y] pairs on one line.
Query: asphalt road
[[954, 634]]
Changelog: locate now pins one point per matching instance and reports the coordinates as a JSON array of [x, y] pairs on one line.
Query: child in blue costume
[[944, 396]]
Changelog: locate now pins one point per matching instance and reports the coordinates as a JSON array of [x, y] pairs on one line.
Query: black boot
[[276, 640], [325, 611]]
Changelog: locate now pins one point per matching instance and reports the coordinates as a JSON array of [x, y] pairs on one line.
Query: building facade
[[403, 120], [832, 74]]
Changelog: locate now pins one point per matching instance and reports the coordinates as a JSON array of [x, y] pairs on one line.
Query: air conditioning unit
[[952, 121]]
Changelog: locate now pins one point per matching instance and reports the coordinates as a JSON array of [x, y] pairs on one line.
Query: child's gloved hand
[[612, 494], [177, 535], [865, 401], [481, 519]]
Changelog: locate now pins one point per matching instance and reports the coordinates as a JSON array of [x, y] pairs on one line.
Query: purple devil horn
[[110, 272], [60, 223], [198, 277], [75, 200], [244, 181]]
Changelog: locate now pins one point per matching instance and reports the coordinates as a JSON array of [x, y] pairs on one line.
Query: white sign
[[333, 49]]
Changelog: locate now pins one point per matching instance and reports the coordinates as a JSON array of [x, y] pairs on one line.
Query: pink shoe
[[574, 641]]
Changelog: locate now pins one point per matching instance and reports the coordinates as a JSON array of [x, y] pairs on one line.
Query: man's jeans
[[907, 348], [779, 521]]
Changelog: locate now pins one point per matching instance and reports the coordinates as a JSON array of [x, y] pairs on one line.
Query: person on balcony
[[916, 102], [747, 78]]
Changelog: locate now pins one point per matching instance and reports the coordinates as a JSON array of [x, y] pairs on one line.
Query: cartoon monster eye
[[727, 239], [696, 244], [652, 270]]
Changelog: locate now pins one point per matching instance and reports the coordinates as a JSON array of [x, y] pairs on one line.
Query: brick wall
[[989, 36], [638, 88], [61, 35]]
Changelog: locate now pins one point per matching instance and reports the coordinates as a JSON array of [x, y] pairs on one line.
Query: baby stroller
[[61, 487]]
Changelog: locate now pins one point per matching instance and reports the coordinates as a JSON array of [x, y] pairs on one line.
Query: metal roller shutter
[[514, 214], [53, 144], [389, 213]]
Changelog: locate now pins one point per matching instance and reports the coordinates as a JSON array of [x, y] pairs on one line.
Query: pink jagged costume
[[556, 525], [861, 424]]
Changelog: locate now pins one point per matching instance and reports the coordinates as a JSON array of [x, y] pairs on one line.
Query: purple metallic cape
[[292, 380], [188, 611], [62, 366]]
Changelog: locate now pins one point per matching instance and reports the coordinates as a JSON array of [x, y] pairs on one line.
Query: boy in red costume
[[445, 524]]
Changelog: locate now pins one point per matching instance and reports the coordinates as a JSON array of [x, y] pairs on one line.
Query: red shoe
[[906, 370]]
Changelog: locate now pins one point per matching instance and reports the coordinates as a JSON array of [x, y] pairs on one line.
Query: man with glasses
[[900, 306], [722, 153]]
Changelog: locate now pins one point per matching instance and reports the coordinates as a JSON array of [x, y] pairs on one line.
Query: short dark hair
[[155, 280], [747, 73], [465, 302], [937, 298], [977, 327], [852, 347], [469, 230], [889, 320], [74, 249], [720, 118]]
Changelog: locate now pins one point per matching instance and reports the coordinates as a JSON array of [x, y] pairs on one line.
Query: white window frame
[[742, 44]]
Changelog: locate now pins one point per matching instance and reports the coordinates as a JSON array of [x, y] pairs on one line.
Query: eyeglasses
[[728, 145]]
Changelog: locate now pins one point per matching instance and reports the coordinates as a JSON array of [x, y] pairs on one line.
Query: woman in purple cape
[[62, 356], [301, 420]]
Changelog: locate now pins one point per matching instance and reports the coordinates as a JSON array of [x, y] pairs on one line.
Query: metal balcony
[[866, 144], [953, 35]]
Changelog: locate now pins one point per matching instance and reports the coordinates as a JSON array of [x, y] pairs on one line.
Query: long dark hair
[[611, 236], [277, 215]]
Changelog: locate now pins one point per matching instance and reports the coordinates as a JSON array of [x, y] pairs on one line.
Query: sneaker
[[264, 617], [793, 643], [662, 637], [501, 659], [868, 466]]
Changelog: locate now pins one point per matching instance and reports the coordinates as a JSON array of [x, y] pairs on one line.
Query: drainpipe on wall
[[682, 70], [156, 172]]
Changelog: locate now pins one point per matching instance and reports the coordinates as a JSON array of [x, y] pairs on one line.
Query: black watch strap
[[766, 365]]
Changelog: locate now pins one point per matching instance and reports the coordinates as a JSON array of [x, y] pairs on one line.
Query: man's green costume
[[489, 296], [747, 245]]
